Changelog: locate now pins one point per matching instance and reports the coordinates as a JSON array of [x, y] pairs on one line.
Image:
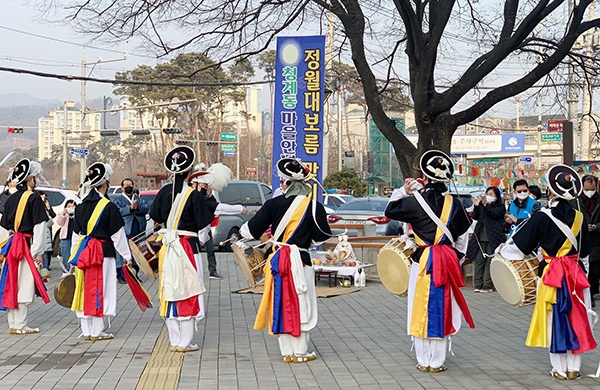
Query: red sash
[[90, 262], [446, 270], [189, 307], [19, 250]]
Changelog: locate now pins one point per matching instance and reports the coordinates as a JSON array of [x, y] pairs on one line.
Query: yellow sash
[[419, 320], [163, 250], [77, 304], [265, 310], [18, 217], [546, 295]]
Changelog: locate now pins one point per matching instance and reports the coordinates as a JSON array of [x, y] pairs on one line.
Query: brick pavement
[[360, 339]]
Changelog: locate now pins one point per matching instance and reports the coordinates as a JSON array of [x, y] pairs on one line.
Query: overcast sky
[[24, 51], [36, 53]]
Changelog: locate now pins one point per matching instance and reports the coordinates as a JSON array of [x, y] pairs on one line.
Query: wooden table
[[330, 274]]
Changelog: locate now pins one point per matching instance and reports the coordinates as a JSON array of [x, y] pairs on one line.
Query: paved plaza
[[360, 340]]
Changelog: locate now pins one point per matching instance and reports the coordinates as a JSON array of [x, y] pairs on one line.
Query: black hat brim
[[180, 159], [564, 182], [96, 174], [21, 171], [444, 172], [284, 168]]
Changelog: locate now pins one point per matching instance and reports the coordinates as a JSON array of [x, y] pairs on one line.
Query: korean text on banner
[[299, 94]]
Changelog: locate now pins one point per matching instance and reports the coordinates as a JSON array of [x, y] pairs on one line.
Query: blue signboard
[[299, 95]]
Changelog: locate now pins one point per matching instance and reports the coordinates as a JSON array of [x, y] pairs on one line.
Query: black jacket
[[594, 219], [490, 216]]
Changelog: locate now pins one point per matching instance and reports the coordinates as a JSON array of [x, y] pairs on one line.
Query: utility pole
[[587, 91], [64, 151], [539, 132], [327, 108], [339, 127], [573, 98]]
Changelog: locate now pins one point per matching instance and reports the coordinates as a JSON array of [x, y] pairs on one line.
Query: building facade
[[68, 119]]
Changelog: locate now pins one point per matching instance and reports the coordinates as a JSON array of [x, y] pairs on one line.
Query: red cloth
[[289, 297], [139, 293], [17, 251], [90, 261], [189, 307], [446, 270], [568, 268]]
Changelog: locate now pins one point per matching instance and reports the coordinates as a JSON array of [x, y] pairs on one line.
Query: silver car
[[252, 195], [360, 211]]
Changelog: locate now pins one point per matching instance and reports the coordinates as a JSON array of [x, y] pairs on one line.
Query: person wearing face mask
[[25, 218], [521, 208], [561, 318], [133, 209], [65, 220], [589, 204], [488, 235], [216, 177]]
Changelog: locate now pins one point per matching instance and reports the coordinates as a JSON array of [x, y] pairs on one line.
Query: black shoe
[[121, 280], [215, 275]]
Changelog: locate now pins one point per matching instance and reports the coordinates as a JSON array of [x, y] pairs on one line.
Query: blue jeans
[[46, 257], [65, 252]]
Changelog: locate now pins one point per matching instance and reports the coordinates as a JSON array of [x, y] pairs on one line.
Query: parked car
[[360, 211], [252, 195], [333, 201]]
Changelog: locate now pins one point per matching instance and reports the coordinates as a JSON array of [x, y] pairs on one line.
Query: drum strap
[[432, 215], [564, 228]]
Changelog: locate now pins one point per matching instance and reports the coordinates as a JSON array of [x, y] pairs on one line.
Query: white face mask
[[71, 210], [589, 193], [522, 195], [490, 199]]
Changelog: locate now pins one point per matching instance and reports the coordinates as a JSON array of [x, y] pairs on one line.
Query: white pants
[[92, 326], [17, 318], [563, 362], [181, 331], [431, 352], [290, 345]]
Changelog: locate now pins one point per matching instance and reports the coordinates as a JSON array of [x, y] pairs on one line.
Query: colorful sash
[[279, 305], [15, 249], [186, 307], [571, 329], [439, 276], [87, 259]]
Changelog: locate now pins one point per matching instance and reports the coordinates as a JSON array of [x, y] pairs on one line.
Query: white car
[[57, 197], [333, 201]]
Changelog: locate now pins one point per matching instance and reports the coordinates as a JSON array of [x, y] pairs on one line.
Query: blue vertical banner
[[299, 94]]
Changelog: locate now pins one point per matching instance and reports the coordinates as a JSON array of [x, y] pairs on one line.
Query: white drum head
[[393, 270], [507, 281]]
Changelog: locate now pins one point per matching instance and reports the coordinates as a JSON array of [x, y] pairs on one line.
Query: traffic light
[[109, 133], [140, 132], [212, 143], [182, 142], [15, 130], [172, 130]]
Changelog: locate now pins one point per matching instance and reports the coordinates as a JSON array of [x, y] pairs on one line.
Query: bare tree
[[375, 31]]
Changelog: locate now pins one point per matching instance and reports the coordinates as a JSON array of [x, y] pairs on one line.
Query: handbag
[[56, 244]]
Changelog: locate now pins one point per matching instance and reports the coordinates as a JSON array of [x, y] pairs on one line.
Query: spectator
[[535, 192], [489, 234], [133, 209], [65, 220], [589, 204], [47, 256], [521, 208]]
